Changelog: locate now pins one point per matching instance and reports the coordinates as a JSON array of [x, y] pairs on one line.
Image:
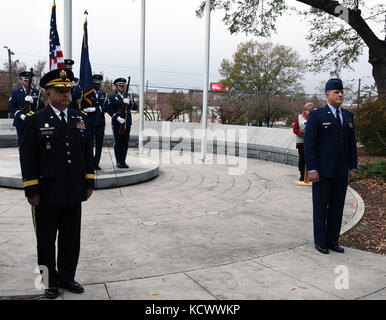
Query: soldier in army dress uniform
[[18, 99], [58, 174]]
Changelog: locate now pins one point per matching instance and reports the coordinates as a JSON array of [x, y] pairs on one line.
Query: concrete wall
[[270, 144]]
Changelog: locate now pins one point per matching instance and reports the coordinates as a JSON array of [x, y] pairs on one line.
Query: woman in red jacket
[[298, 129]]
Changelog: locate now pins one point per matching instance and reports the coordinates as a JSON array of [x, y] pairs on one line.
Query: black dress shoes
[[336, 248], [72, 286], [51, 293], [97, 168], [125, 165], [321, 249]]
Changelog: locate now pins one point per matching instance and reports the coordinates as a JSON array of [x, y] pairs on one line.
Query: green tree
[[260, 71], [179, 104], [339, 29]]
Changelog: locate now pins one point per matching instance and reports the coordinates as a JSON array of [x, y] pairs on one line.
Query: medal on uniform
[[80, 125], [48, 145]]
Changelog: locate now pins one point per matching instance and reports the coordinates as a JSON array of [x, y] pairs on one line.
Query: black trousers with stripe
[[64, 223]]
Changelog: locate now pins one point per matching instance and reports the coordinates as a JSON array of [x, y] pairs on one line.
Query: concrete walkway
[[197, 232]]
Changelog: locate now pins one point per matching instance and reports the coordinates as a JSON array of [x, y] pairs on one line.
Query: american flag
[[56, 53]]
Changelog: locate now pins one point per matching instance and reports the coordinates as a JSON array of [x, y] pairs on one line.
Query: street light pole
[[10, 66]]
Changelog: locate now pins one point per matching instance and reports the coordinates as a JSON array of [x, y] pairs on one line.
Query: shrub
[[370, 123], [375, 169]]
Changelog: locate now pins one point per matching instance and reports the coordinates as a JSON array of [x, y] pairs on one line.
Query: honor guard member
[[76, 90], [331, 160], [96, 119], [58, 174], [113, 106], [18, 99]]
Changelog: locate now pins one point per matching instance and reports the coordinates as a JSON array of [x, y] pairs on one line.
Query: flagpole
[[68, 29], [142, 78], [204, 115]]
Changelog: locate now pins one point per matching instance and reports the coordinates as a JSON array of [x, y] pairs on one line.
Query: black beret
[[119, 81], [58, 78], [334, 84]]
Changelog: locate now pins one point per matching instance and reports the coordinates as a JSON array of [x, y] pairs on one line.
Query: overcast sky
[[174, 39]]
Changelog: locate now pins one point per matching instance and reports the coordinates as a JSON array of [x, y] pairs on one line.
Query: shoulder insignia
[[31, 113], [84, 113]]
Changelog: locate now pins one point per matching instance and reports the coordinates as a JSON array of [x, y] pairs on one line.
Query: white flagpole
[[204, 115], [67, 29], [142, 79]]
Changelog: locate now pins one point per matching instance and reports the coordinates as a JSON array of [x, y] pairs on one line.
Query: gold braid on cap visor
[[60, 83]]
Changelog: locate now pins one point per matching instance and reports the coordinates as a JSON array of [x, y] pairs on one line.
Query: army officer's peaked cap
[[58, 78]]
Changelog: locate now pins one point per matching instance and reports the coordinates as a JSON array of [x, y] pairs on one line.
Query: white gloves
[[126, 100], [120, 120], [29, 99], [90, 109], [22, 117]]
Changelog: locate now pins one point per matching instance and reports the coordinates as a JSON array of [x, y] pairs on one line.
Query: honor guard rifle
[[27, 104], [124, 112]]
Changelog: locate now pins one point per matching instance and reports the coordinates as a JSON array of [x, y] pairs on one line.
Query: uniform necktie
[[63, 119], [338, 119]]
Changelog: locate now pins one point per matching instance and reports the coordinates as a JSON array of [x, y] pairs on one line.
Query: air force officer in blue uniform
[[331, 160], [18, 99]]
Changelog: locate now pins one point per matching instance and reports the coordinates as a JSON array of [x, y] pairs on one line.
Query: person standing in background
[[18, 99], [114, 105], [76, 90], [299, 129], [96, 119]]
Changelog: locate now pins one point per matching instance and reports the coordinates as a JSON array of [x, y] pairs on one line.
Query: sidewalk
[[196, 232]]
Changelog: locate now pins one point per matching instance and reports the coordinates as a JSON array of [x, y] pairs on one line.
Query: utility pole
[[10, 66], [359, 91]]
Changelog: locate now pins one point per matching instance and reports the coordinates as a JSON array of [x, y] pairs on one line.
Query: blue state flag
[[85, 74]]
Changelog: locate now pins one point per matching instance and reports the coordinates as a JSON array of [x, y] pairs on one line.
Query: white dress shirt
[[57, 112]]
